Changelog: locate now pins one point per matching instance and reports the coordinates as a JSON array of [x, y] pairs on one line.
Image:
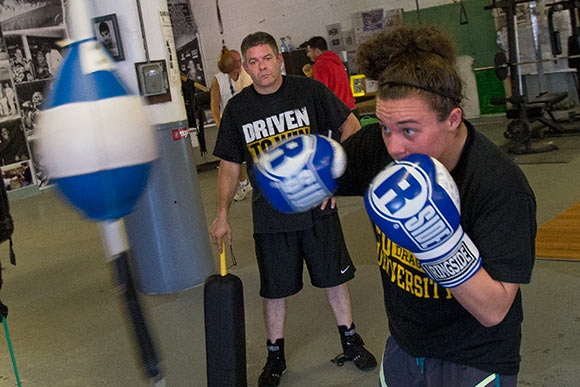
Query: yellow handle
[[223, 259]]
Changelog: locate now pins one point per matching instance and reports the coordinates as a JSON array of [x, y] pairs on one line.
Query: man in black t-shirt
[[274, 108], [443, 334]]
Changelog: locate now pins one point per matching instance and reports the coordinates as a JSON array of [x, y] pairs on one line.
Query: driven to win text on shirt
[[402, 268], [262, 133]]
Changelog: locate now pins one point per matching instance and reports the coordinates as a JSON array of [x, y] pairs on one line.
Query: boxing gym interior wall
[[299, 19]]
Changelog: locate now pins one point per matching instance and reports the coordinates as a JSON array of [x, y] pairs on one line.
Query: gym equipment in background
[[524, 111]]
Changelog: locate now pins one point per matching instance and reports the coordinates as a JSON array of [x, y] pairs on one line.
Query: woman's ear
[[455, 118]]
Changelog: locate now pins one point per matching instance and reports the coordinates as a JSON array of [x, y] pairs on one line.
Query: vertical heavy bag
[[225, 331]]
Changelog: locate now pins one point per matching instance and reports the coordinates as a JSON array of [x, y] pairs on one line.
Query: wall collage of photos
[[29, 57]]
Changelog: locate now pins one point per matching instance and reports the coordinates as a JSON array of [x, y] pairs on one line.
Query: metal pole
[[537, 45], [418, 11], [527, 62]]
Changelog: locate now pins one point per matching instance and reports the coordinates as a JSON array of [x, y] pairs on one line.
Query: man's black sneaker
[[354, 350], [275, 365]]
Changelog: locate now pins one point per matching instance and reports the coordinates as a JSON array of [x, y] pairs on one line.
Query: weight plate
[[518, 130], [500, 65]]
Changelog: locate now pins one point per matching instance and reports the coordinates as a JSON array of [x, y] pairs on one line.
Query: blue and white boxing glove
[[299, 173], [416, 204]]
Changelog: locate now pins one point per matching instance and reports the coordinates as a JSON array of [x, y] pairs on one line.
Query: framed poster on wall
[[107, 32], [190, 61]]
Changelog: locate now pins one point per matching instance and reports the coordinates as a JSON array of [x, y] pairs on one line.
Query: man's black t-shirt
[[498, 212], [252, 122]]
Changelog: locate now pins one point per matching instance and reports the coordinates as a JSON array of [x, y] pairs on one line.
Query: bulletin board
[[477, 38]]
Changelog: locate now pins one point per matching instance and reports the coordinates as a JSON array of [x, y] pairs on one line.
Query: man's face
[[106, 36], [410, 126], [312, 53], [36, 98], [263, 65]]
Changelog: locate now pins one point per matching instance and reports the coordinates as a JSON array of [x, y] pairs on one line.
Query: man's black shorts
[[281, 256]]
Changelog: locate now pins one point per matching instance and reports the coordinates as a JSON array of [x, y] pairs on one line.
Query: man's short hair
[[103, 27], [318, 42], [256, 39]]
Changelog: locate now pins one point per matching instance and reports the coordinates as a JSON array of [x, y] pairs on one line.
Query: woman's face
[[5, 133], [237, 62], [410, 126]]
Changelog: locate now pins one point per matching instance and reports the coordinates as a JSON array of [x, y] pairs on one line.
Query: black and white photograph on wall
[[3, 50], [46, 56], [372, 20], [17, 175], [190, 62], [40, 176], [8, 107], [183, 22], [368, 23], [18, 15], [30, 98], [335, 36], [20, 59], [12, 143], [106, 30]]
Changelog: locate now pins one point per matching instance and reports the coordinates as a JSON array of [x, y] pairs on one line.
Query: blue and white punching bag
[[98, 147]]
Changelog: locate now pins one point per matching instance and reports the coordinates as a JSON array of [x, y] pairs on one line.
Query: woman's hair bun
[[403, 44]]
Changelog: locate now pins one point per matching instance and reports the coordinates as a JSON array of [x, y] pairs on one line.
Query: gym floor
[[68, 328]]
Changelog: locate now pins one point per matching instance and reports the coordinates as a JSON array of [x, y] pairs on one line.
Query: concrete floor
[[68, 328]]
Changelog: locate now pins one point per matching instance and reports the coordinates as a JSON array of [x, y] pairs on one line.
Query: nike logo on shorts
[[344, 270]]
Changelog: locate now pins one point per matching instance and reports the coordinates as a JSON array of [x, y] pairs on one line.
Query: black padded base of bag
[[225, 332]]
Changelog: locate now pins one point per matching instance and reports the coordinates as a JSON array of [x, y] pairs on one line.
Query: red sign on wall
[[179, 134]]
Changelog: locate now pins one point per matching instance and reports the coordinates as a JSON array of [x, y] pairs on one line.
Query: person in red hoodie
[[329, 69]]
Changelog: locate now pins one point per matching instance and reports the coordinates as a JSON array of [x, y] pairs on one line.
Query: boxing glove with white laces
[[416, 204]]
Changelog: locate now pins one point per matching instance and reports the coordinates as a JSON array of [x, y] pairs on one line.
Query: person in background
[[41, 67], [273, 108], [53, 58], [329, 69], [26, 174], [9, 92], [192, 74], [12, 145], [4, 109], [461, 324], [31, 109], [21, 67], [231, 79]]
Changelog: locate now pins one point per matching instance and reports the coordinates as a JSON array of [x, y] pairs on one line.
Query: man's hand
[[219, 228], [325, 203]]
